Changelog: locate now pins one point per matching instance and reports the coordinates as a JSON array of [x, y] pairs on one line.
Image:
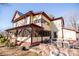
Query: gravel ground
[[4, 51], [51, 49], [40, 50]]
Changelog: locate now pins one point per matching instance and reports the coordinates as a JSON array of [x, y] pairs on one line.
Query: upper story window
[[43, 21], [37, 21]]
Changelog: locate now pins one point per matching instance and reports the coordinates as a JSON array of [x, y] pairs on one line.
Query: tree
[[73, 21], [51, 16], [2, 39]]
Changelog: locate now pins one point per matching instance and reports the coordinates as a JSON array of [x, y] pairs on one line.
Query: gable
[[17, 14], [46, 19], [57, 25]]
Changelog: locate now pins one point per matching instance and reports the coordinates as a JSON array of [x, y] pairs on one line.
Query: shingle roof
[[29, 25], [29, 13]]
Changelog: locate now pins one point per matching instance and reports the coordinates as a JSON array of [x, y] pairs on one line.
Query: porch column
[[31, 35]]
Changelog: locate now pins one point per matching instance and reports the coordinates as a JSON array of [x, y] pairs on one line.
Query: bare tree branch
[[73, 21]]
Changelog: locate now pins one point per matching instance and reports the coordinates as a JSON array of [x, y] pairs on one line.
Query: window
[[37, 21], [44, 33], [55, 34], [43, 21]]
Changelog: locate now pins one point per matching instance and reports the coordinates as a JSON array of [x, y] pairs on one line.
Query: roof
[[77, 32], [59, 18], [29, 25], [20, 13], [71, 30], [31, 13], [16, 13]]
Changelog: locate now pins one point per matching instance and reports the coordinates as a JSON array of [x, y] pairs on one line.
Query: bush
[[2, 39], [8, 44]]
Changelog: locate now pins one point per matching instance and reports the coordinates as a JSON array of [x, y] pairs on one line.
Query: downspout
[[62, 33], [31, 18], [42, 26], [51, 32], [31, 35], [51, 24]]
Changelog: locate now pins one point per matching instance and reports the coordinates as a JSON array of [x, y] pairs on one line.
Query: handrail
[[24, 40]]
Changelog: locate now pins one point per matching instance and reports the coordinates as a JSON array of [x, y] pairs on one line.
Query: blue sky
[[55, 9]]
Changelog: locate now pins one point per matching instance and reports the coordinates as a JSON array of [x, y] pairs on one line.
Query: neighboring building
[[60, 33], [56, 28], [32, 28], [69, 34]]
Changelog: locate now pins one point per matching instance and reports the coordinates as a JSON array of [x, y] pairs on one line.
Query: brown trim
[[43, 13], [30, 19], [62, 33], [46, 16], [31, 13], [14, 15], [31, 36], [29, 25], [77, 32], [23, 16], [69, 29], [59, 18]]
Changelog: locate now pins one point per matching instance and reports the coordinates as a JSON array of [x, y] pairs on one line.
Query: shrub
[[2, 39], [8, 44]]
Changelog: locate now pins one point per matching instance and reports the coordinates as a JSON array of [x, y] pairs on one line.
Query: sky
[[55, 9]]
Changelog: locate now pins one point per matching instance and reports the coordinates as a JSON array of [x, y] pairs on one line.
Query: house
[[59, 32], [29, 28], [32, 28]]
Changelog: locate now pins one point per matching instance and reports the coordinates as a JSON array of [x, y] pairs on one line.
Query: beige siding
[[22, 22], [19, 23], [41, 17], [45, 25], [77, 35], [37, 17], [56, 26], [45, 18], [16, 16], [69, 35], [46, 38], [25, 39], [36, 39]]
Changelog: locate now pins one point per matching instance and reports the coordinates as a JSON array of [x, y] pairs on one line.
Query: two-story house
[[29, 28], [32, 28]]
